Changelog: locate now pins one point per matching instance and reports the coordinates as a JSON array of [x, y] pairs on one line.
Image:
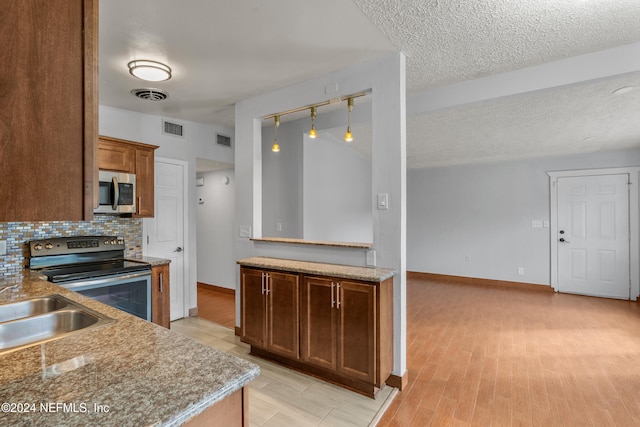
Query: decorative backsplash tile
[[18, 234]]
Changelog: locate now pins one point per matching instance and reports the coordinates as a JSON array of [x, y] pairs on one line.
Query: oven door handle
[[104, 280]]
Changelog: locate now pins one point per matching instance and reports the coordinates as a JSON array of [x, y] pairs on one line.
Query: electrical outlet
[[3, 247], [278, 226], [371, 258], [521, 271], [245, 231]]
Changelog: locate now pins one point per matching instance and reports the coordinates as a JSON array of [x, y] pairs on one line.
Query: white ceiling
[[225, 51]]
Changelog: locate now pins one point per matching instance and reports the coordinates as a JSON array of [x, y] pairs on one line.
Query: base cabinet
[[343, 333], [339, 327], [269, 311], [160, 298]]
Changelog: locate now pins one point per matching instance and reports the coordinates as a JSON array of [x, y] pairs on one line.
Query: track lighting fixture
[[276, 123], [348, 137], [314, 112]]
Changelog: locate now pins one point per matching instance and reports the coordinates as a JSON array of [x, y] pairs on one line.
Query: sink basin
[[43, 319], [31, 307]]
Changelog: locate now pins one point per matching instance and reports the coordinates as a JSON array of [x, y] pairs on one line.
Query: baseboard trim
[[478, 282], [399, 382], [220, 289]]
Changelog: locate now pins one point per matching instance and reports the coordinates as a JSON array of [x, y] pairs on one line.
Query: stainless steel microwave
[[117, 193]]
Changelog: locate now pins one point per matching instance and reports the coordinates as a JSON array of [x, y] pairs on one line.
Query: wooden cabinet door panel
[[282, 314], [47, 116], [252, 307], [357, 330], [318, 323], [160, 299], [144, 182], [115, 156]]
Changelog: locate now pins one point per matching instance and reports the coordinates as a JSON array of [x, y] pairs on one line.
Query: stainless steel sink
[[31, 307], [43, 319]]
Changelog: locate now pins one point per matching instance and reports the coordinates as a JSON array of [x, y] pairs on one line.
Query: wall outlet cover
[[371, 258], [245, 231]]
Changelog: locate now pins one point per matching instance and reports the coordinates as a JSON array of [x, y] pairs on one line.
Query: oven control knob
[[48, 246], [37, 246], [113, 242], [120, 242], [106, 242]]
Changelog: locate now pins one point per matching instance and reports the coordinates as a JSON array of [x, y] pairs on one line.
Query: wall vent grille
[[170, 128], [223, 140]]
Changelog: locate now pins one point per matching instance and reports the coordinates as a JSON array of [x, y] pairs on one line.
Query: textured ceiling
[[225, 51]]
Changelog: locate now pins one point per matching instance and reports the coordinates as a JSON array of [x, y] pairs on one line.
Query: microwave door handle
[[116, 193]]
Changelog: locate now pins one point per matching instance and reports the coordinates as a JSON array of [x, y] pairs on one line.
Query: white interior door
[[593, 235], [165, 231]]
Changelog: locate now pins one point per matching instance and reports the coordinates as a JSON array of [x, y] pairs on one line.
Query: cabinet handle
[[266, 281], [338, 295], [333, 301], [262, 284], [161, 282]]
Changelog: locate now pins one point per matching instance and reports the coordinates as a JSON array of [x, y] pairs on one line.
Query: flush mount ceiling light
[[348, 137], [623, 90], [151, 71], [276, 122], [312, 133]]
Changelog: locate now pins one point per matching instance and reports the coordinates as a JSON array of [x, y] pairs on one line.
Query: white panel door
[[593, 235], [165, 231]]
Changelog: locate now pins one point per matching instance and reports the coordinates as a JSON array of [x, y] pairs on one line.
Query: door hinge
[[147, 239]]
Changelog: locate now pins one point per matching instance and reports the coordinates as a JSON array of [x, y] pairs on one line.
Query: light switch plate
[[3, 247], [383, 201]]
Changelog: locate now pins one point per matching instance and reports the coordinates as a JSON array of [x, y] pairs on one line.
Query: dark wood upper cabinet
[[48, 110], [131, 157]]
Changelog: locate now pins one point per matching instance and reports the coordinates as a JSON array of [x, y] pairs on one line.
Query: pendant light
[[348, 137], [276, 122], [312, 133]]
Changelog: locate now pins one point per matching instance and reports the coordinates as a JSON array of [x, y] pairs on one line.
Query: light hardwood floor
[[505, 357], [280, 396], [490, 356]]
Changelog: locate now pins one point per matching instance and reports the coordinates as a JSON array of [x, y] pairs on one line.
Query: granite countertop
[[128, 373], [367, 274], [152, 261]]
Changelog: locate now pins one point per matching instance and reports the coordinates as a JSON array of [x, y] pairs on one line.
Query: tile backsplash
[[18, 234]]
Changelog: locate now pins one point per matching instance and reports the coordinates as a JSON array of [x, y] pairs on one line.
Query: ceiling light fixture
[[348, 137], [151, 71], [276, 122], [312, 133], [623, 90]]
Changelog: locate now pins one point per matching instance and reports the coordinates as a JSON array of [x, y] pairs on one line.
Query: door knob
[[561, 231], [178, 249]]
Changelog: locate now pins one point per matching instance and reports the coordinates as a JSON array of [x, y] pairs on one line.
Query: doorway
[[594, 232], [164, 234]]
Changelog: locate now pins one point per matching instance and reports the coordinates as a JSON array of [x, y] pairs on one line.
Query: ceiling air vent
[[223, 140], [150, 94], [174, 129]]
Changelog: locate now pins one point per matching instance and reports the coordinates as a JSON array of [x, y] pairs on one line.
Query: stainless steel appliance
[[117, 193], [95, 266]]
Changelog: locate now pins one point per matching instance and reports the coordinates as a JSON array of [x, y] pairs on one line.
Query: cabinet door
[[252, 307], [115, 156], [48, 116], [144, 182], [357, 330], [160, 313], [282, 314], [318, 322]]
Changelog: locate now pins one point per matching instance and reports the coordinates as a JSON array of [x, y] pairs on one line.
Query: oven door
[[128, 292]]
